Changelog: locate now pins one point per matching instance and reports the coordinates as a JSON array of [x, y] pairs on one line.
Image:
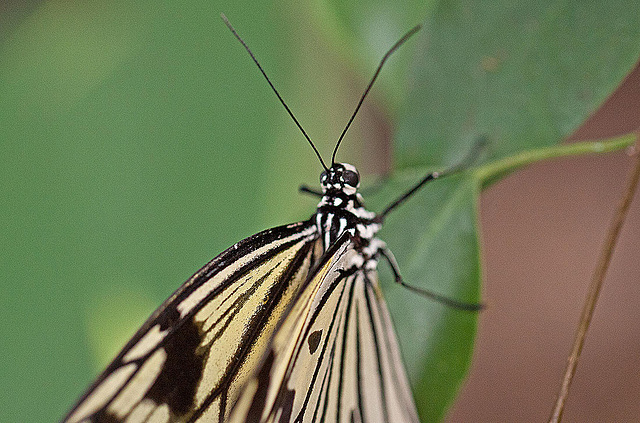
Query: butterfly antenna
[[366, 91], [233, 31]]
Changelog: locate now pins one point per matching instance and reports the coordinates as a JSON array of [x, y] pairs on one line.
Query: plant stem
[[594, 291], [493, 170]]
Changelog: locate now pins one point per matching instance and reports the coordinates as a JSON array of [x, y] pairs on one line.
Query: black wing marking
[[191, 357], [335, 358]]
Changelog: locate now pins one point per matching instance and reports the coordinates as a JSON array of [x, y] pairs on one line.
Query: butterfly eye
[[323, 176], [351, 178]]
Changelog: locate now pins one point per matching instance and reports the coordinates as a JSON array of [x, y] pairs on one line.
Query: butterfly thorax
[[341, 210]]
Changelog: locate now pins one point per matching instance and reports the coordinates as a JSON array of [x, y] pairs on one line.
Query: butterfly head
[[341, 177]]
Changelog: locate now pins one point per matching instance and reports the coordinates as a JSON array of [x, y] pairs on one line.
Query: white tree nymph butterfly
[[286, 325]]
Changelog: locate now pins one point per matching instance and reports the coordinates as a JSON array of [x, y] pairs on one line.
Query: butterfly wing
[[335, 357], [189, 360]]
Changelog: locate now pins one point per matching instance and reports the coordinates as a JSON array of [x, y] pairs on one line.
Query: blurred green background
[[137, 141]]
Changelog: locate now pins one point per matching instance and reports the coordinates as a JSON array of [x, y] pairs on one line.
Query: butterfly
[[288, 325]]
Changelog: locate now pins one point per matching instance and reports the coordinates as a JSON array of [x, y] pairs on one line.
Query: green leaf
[[523, 75]]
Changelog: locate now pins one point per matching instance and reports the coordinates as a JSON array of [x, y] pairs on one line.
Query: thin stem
[[594, 291], [508, 164]]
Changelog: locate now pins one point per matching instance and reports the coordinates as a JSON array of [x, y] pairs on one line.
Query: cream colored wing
[[335, 357], [189, 360]]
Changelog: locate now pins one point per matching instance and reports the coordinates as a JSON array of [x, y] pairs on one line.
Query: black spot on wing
[[286, 405], [177, 382], [260, 397], [326, 353], [103, 416], [314, 341]]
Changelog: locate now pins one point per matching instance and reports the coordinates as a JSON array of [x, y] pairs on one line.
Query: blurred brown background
[[542, 231]]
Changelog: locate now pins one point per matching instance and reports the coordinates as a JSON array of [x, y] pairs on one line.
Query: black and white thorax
[[341, 210]]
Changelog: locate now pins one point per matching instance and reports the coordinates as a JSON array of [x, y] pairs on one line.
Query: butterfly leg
[[389, 257], [464, 164]]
